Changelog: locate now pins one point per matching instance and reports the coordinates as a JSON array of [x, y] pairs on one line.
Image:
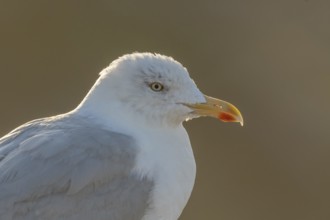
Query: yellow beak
[[218, 109]]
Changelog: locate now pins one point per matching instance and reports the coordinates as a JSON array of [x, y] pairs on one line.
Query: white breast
[[167, 158]]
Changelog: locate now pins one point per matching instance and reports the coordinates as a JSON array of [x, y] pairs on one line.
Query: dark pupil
[[156, 86]]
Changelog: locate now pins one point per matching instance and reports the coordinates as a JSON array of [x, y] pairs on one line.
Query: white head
[[151, 88]]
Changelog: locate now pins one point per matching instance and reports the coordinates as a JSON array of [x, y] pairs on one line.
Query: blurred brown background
[[270, 58]]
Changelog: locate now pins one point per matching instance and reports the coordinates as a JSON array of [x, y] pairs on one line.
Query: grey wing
[[70, 173]]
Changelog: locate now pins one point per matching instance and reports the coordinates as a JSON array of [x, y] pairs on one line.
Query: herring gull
[[122, 154]]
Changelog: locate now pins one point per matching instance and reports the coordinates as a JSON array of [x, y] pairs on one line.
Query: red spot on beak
[[226, 117]]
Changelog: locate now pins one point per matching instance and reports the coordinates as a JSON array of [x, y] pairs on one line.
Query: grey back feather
[[66, 167]]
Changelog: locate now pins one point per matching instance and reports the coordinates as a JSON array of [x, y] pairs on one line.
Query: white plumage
[[122, 154]]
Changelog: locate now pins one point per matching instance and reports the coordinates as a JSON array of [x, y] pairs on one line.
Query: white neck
[[165, 155], [167, 158]]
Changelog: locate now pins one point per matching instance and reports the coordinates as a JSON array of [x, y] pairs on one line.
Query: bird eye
[[156, 86]]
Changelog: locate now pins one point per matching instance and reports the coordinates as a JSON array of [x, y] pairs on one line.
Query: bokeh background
[[270, 58]]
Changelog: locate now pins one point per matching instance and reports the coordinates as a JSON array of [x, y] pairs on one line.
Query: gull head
[[152, 89]]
